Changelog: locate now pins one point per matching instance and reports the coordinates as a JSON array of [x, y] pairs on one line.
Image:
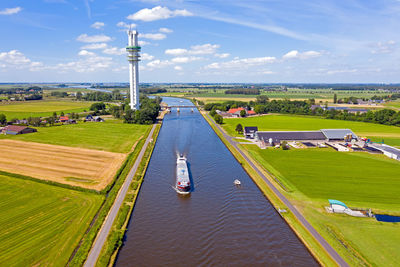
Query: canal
[[218, 224]]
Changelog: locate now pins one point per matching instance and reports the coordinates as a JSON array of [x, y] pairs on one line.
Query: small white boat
[[237, 182]]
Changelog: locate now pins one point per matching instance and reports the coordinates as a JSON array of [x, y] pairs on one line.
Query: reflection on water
[[218, 223]]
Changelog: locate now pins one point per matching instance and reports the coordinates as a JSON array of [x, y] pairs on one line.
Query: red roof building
[[251, 112], [64, 118], [234, 110]]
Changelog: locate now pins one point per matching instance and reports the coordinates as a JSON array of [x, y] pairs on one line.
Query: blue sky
[[201, 41]]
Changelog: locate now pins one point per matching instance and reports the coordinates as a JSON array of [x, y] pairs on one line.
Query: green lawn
[[41, 224], [41, 108], [371, 181], [359, 179], [377, 132], [111, 135]]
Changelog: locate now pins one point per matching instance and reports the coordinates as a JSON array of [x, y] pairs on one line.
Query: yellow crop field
[[86, 168]]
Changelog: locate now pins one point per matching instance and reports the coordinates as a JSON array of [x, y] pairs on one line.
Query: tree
[[335, 98], [284, 145], [55, 115], [262, 99], [213, 113], [98, 106], [239, 128], [243, 113], [218, 119], [78, 95], [3, 119], [62, 113]]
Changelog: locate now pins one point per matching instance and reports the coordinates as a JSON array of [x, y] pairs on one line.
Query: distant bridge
[[181, 106]]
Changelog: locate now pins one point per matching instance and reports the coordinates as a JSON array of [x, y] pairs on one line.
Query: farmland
[[377, 132], [41, 224], [111, 135], [91, 169], [369, 181], [20, 110]]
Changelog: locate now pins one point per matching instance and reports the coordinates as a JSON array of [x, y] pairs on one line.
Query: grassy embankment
[[115, 238], [41, 224], [112, 190], [41, 108], [315, 248], [111, 135], [312, 176], [377, 132]]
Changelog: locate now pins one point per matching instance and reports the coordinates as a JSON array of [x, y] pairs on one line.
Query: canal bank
[[218, 223], [316, 244], [102, 235]]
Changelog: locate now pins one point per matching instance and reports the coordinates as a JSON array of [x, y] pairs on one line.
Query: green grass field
[[41, 224], [20, 110], [359, 179], [111, 135], [377, 132]]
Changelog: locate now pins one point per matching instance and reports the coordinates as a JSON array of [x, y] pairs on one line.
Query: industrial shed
[[277, 137], [338, 134], [14, 130]]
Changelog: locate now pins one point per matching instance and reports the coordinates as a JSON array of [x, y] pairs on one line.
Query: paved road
[[105, 229], [339, 260]]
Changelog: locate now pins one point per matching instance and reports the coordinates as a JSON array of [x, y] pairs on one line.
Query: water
[[218, 223], [387, 218]]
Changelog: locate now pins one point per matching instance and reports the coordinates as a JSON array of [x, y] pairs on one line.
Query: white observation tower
[[133, 50]]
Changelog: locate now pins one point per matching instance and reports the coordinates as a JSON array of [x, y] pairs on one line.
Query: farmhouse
[[14, 130], [64, 119], [235, 112], [250, 132]]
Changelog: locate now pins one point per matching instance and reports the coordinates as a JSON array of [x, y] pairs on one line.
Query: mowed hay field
[[111, 135], [377, 132], [40, 225], [87, 168], [40, 108], [358, 179]]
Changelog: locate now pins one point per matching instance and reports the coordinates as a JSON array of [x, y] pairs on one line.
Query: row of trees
[[262, 106], [243, 91], [147, 114]]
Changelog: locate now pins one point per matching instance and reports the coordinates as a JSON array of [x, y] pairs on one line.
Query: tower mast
[[133, 50]]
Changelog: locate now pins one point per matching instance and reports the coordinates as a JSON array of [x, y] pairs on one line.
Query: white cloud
[[10, 11], [125, 25], [101, 38], [146, 56], [305, 55], [85, 53], [17, 60], [94, 46], [153, 36], [165, 30], [383, 47], [179, 68], [143, 43], [241, 63], [158, 64], [204, 49], [223, 55], [185, 59], [332, 72], [176, 51], [97, 25], [89, 63], [157, 13], [114, 51]]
